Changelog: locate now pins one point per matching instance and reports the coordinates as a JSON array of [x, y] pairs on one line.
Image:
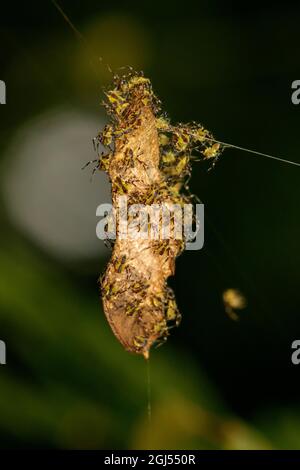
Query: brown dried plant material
[[148, 161]]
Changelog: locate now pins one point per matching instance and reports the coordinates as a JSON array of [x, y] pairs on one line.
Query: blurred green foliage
[[77, 388]]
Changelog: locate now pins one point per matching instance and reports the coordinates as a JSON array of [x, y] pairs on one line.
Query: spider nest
[[148, 160]]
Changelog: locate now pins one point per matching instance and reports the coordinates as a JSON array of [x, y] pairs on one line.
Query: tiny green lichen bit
[[149, 160]]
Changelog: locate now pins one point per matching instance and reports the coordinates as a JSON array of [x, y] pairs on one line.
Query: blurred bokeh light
[[43, 173]]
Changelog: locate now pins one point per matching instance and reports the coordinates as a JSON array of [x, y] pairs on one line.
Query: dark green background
[[216, 383]]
